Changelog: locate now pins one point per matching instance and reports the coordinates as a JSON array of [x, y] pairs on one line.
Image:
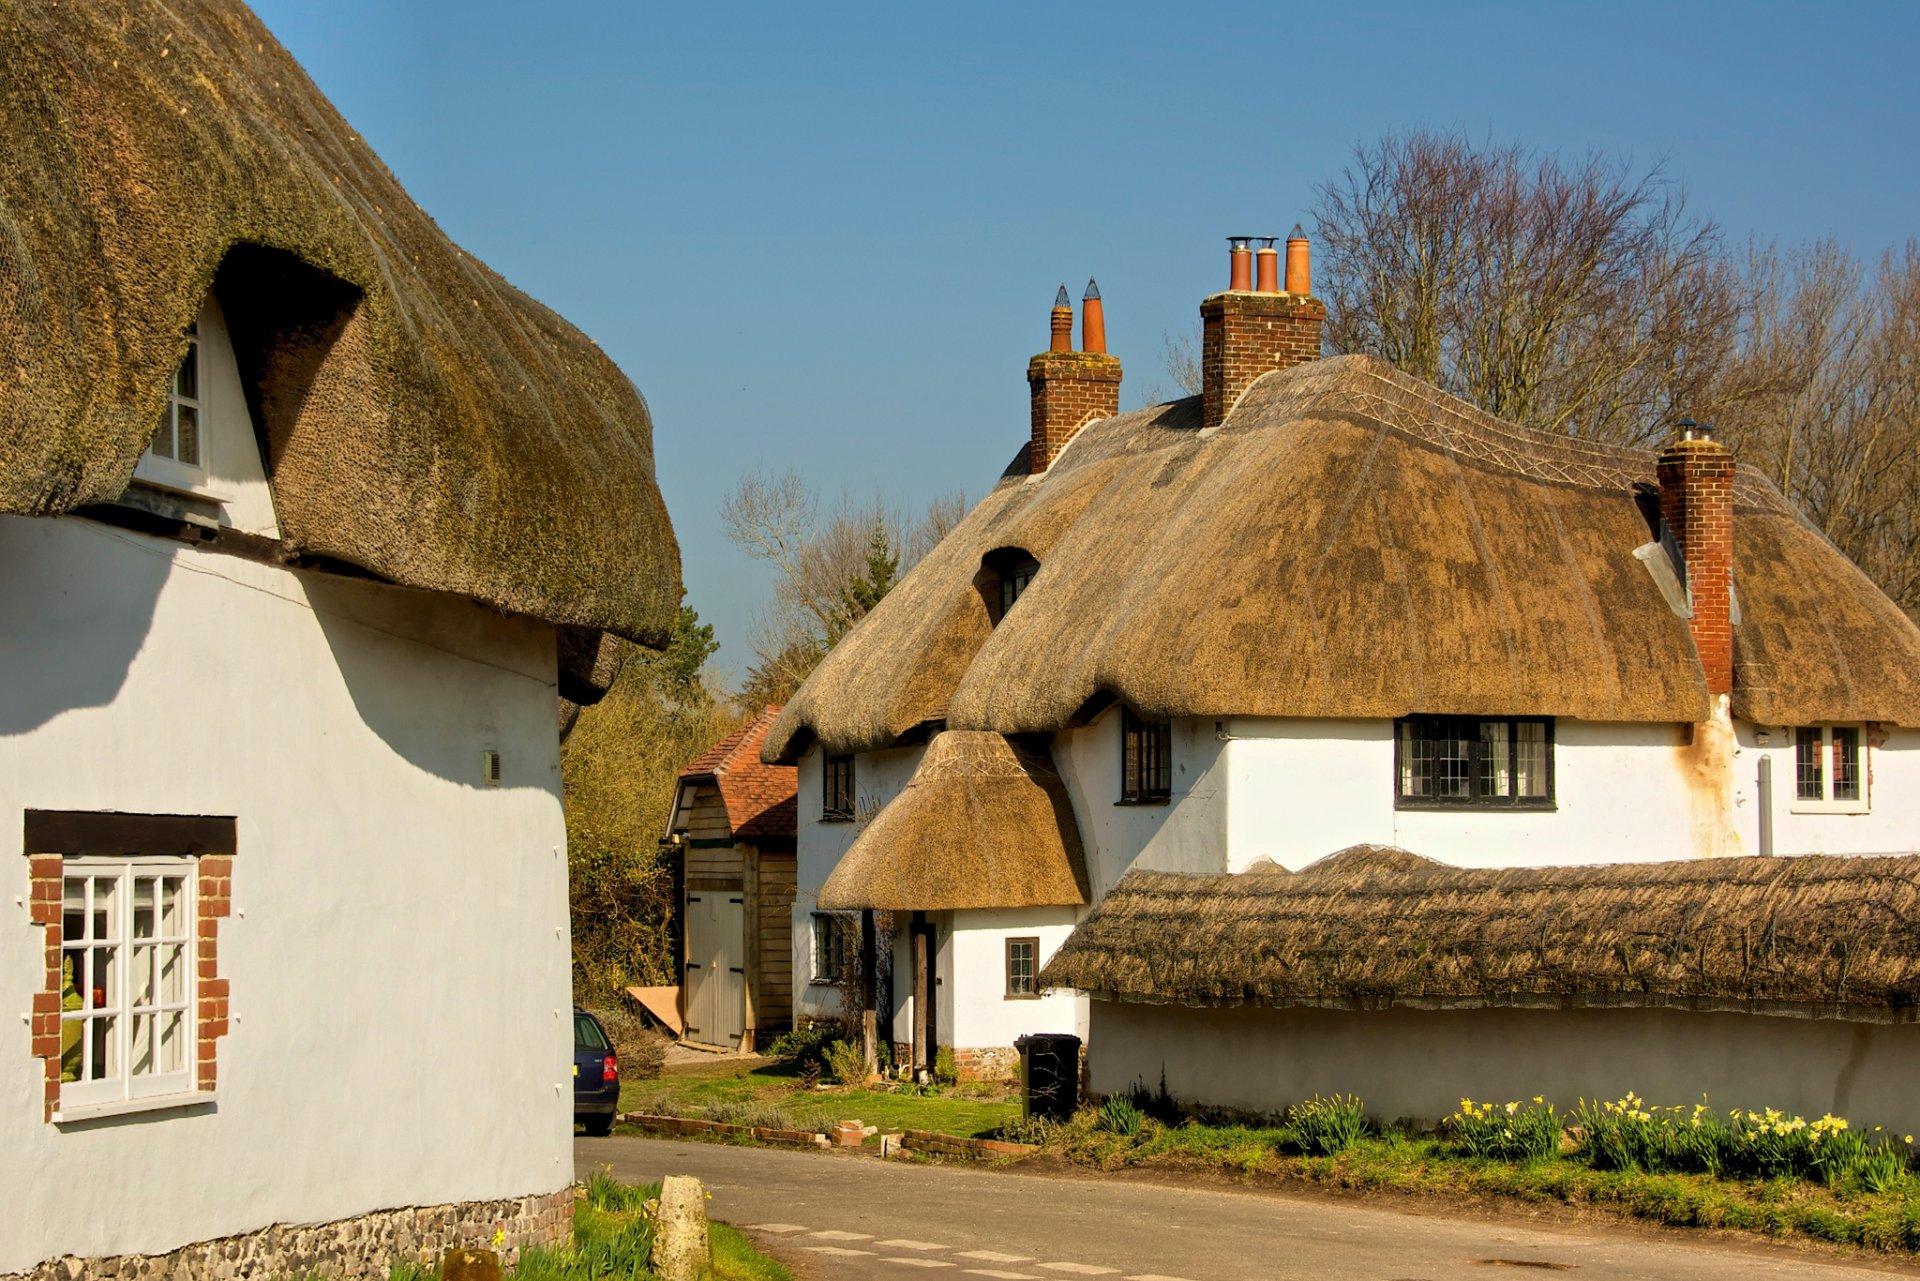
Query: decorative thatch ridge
[[1351, 542], [1815, 936], [422, 418], [982, 823]]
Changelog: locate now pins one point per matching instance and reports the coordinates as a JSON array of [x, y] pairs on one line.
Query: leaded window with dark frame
[[1829, 767], [1146, 759], [836, 801], [1451, 762], [1005, 573]]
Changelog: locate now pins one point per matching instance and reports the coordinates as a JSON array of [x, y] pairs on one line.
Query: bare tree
[[1570, 296], [831, 568]]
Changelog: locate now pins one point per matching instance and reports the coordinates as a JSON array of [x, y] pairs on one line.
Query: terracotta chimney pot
[[1093, 320], [1062, 322], [1267, 267], [1299, 271], [1239, 264]]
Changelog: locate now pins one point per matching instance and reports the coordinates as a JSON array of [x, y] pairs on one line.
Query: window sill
[[1829, 807], [1474, 807], [130, 1107], [836, 818], [1145, 800]]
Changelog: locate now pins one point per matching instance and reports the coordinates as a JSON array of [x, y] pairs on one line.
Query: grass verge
[[772, 1095], [1424, 1166]]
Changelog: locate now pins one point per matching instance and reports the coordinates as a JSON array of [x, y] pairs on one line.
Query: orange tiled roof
[[760, 798]]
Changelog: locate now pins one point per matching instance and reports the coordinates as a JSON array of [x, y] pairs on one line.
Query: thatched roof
[[982, 823], [761, 800], [423, 419], [1351, 542], [1816, 936]]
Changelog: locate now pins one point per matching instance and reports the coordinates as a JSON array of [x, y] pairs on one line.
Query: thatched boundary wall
[[363, 1248], [1420, 1063]]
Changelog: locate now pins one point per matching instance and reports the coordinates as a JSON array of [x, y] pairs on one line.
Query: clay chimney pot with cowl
[[1244, 334], [1266, 267], [1240, 264], [1299, 266], [1071, 388]]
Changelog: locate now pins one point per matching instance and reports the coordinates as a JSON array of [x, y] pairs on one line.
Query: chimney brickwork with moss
[[1249, 331], [1696, 502], [1071, 388]]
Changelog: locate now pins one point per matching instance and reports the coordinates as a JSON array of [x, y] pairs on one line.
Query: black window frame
[[828, 963], [1032, 991], [836, 789], [1146, 760], [1468, 730]]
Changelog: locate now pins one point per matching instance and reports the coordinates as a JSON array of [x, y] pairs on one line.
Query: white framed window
[[127, 965], [1830, 771], [176, 457], [1023, 968], [832, 942]]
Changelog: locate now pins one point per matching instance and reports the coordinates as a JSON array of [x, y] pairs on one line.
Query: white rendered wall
[[398, 952], [1891, 824], [1303, 789], [877, 779], [1420, 1063], [1186, 834], [982, 1015]]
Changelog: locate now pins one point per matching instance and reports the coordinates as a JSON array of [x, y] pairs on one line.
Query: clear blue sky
[[827, 236]]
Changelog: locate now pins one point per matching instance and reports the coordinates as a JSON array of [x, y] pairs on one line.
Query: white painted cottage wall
[[399, 949], [1187, 834], [983, 1016], [1891, 825], [877, 779], [1264, 1059]]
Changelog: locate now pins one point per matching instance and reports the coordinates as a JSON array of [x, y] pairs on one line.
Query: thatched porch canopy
[[1815, 936], [1351, 542], [420, 417], [982, 823]]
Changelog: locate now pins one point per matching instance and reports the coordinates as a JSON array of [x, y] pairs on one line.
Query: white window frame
[[1827, 804], [116, 1003], [821, 949], [167, 470]]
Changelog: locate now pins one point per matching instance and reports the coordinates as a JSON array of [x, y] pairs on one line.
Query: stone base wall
[[357, 1249], [991, 1063]]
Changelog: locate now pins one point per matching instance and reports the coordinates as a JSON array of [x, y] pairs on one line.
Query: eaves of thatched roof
[[1813, 936], [982, 823], [1351, 542], [421, 418]]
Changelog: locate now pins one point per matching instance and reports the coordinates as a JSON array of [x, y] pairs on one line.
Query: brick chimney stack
[[1696, 502], [1071, 388], [1248, 331]]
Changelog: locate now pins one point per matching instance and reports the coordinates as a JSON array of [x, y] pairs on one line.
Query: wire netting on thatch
[[1815, 935], [982, 823], [1351, 542], [420, 417]]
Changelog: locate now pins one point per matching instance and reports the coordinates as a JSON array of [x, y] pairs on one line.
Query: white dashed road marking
[[1154, 1276], [1080, 1269], [776, 1227], [1004, 1276], [920, 1263], [913, 1245], [994, 1256], [831, 1235], [837, 1251]]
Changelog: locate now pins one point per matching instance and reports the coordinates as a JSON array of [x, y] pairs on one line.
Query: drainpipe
[[1766, 805]]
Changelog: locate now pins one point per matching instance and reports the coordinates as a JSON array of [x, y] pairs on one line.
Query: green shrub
[[945, 1070], [1118, 1115], [1509, 1133], [806, 1044], [1328, 1126], [846, 1062], [642, 1051]]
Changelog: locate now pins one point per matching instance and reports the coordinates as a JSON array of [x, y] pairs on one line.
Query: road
[[839, 1215]]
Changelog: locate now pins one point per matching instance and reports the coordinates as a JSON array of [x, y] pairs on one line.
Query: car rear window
[[587, 1034]]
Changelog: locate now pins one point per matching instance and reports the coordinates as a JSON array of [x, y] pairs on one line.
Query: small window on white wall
[[1830, 769], [832, 941]]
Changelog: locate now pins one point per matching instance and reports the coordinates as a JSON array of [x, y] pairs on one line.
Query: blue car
[[596, 1075]]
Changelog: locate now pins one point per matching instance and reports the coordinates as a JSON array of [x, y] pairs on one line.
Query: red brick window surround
[[130, 906]]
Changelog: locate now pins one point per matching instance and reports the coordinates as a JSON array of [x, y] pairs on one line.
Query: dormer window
[[1005, 574], [177, 438]]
